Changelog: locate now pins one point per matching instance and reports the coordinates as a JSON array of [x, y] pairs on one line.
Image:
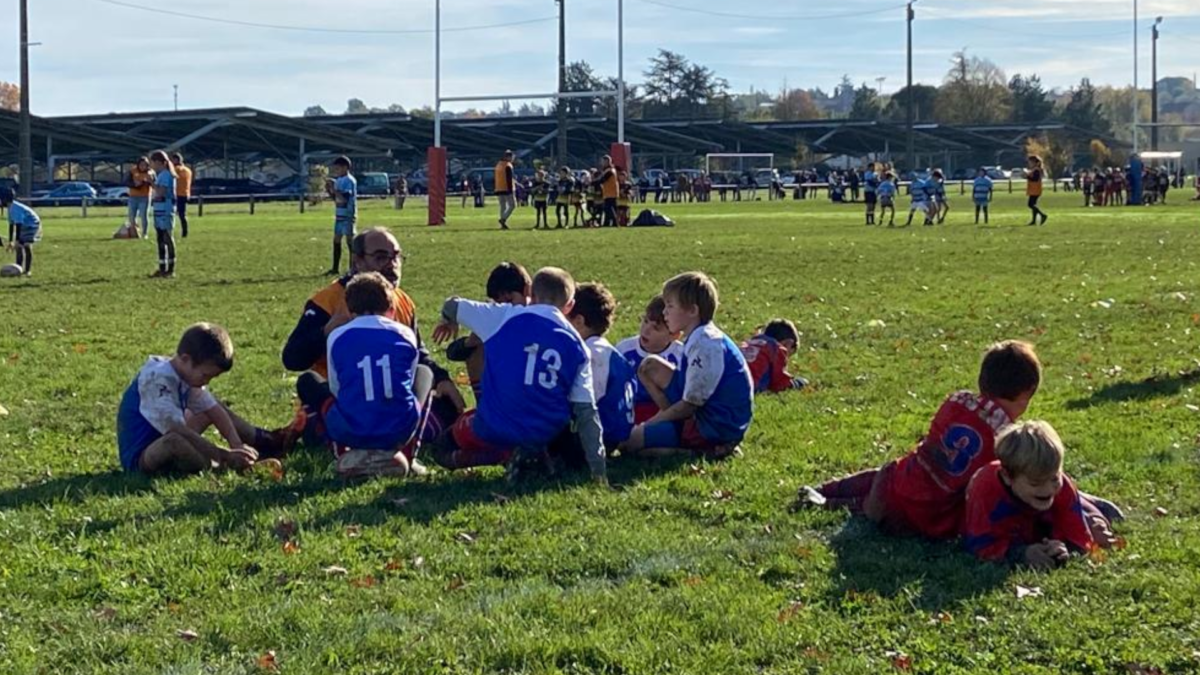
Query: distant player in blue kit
[[653, 339], [706, 405], [940, 202], [343, 190], [371, 404], [612, 376], [870, 191], [981, 193], [537, 379], [162, 203], [887, 198], [167, 407], [920, 192], [24, 229]]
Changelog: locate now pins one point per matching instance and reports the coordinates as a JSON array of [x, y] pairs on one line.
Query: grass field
[[684, 568]]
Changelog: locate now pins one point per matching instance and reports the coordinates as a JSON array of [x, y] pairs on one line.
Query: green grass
[[684, 569]]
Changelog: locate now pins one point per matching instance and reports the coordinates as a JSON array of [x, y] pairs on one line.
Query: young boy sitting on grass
[[371, 404], [166, 409], [924, 492], [767, 355], [538, 378], [612, 376], [1022, 509], [653, 339], [707, 403], [508, 284]]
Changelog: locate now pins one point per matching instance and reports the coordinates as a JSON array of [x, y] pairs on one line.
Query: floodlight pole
[[1154, 84], [562, 82], [621, 72], [912, 164], [1135, 77], [25, 150]]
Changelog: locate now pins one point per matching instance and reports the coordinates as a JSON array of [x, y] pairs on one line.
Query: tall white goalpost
[[436, 155]]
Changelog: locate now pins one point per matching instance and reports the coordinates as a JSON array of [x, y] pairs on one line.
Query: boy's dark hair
[[553, 286], [596, 305], [176, 158], [368, 293], [656, 310], [694, 289], [207, 343], [782, 329], [507, 277], [343, 161], [1009, 369], [159, 156]]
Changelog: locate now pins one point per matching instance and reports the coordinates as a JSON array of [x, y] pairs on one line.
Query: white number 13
[[549, 378]]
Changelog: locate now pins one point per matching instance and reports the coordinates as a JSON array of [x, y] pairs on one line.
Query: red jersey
[[767, 360], [928, 486], [998, 523]]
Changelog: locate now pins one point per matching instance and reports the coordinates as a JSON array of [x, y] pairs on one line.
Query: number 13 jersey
[[537, 366]]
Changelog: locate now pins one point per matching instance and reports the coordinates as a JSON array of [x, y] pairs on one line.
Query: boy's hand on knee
[[240, 459]]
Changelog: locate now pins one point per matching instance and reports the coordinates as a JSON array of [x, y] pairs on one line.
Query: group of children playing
[[927, 193], [579, 201], [552, 392]]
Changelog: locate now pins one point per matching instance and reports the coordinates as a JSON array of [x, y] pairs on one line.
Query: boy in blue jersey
[[870, 191], [508, 283], [941, 204], [162, 201], [371, 404], [981, 194], [705, 405], [919, 193], [538, 379], [24, 229], [166, 409], [653, 339], [887, 198], [343, 190], [612, 376]]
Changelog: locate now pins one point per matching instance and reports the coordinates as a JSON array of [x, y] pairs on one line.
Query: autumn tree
[[974, 91], [10, 97]]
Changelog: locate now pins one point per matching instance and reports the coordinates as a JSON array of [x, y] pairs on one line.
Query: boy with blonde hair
[[1022, 509], [707, 403]]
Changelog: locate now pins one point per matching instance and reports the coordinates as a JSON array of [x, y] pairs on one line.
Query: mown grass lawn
[[684, 568]]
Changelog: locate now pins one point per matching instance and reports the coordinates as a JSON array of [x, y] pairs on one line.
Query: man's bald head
[[376, 250]]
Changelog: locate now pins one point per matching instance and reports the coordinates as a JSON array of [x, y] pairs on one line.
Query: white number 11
[[385, 367]]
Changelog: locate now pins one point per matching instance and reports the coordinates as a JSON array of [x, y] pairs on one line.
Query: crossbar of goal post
[[436, 156], [736, 155]]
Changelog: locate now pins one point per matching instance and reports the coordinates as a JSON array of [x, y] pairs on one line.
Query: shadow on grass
[[74, 489], [262, 281], [1156, 386], [932, 576]]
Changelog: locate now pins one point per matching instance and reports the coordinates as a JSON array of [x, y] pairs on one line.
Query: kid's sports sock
[[337, 257]]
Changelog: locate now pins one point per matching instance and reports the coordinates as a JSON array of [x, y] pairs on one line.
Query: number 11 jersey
[[372, 361], [537, 366]]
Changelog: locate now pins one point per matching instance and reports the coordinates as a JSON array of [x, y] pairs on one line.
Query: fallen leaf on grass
[[900, 660], [788, 613], [455, 584], [285, 529], [268, 662], [394, 565], [1160, 511], [354, 531], [363, 582], [696, 470], [1119, 543], [3, 411], [499, 498], [418, 562], [1024, 592], [105, 613], [333, 570], [693, 581], [943, 617], [400, 502], [1142, 669], [466, 537], [186, 635], [291, 547], [721, 495], [1193, 408], [80, 348]]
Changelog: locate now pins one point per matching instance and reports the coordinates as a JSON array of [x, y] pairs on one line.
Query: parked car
[[113, 196], [997, 173], [764, 177], [293, 186], [652, 175], [68, 194], [211, 187], [963, 174], [418, 182], [374, 184], [1018, 172]]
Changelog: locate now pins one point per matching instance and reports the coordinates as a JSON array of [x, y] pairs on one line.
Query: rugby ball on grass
[[11, 270]]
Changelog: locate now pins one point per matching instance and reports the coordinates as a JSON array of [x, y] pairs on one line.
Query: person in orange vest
[[1033, 189], [610, 188], [141, 179], [183, 190], [506, 187]]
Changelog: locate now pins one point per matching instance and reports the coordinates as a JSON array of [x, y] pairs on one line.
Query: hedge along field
[[685, 567]]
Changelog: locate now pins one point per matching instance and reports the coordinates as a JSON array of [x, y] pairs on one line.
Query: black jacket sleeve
[[306, 345]]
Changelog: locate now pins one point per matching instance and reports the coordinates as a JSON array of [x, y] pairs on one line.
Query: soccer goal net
[[739, 168]]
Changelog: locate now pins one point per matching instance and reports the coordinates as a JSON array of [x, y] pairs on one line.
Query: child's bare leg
[[174, 453], [656, 374]]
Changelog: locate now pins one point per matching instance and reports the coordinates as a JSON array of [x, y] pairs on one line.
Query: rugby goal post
[[436, 155]]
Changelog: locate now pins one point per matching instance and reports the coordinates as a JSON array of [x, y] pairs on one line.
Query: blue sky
[[100, 57]]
